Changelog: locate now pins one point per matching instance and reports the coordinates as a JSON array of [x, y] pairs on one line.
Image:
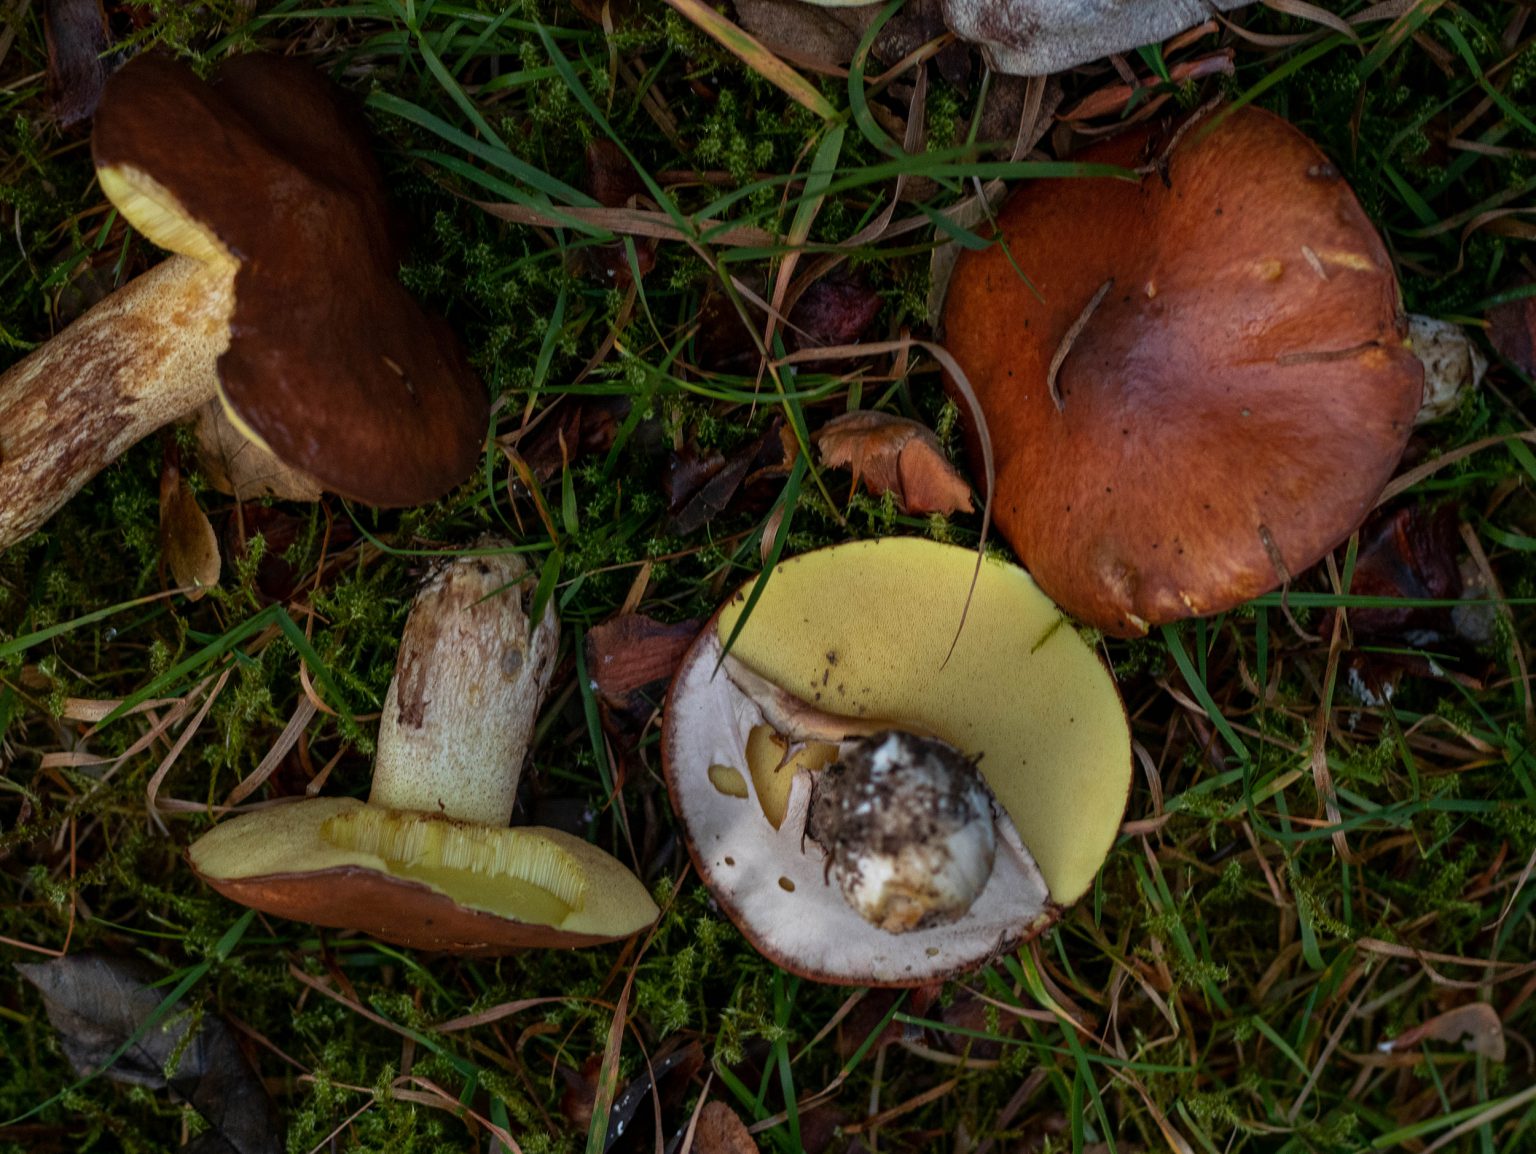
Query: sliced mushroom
[[861, 635], [429, 861]]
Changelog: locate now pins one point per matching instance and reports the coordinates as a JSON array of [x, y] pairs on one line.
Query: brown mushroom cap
[[330, 363], [1231, 407], [287, 861], [864, 631]]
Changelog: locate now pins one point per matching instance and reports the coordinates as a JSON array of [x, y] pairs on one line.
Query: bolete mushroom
[[282, 300], [825, 769], [1199, 384], [429, 860]]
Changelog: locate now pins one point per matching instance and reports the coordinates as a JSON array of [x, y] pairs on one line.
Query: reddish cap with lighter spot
[[1235, 390], [330, 364]]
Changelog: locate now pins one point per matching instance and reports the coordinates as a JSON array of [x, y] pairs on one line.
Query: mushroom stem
[[460, 711], [140, 359]]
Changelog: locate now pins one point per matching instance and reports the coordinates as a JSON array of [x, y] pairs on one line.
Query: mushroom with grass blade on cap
[[1195, 384], [429, 860], [826, 769], [281, 299]]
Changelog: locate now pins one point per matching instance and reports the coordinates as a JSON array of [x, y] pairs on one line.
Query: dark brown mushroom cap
[[330, 363], [1231, 407]]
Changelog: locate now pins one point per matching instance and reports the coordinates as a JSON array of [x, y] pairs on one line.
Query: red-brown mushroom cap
[[330, 363], [1230, 408]]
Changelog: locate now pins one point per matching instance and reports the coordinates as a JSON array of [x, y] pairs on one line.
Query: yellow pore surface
[[864, 630], [529, 874]]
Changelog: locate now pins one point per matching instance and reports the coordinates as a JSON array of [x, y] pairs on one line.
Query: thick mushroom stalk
[[907, 824], [144, 357], [468, 682], [429, 860]]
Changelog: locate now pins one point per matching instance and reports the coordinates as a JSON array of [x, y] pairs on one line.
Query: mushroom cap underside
[[864, 630], [1230, 407], [331, 364], [290, 861]]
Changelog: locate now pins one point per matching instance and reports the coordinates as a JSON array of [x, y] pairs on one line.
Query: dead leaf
[[97, 1003], [78, 37], [699, 487], [187, 540], [1476, 1026], [614, 183], [664, 1080], [1410, 553], [576, 429], [1114, 99], [1512, 331], [836, 310], [630, 654], [233, 464], [720, 1131], [821, 39], [894, 455]]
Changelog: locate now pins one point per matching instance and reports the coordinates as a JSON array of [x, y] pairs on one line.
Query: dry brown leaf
[[187, 540], [720, 1131], [240, 467], [895, 455], [1476, 1026], [78, 37]]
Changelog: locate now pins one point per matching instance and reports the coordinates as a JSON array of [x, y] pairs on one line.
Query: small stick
[[1067, 341]]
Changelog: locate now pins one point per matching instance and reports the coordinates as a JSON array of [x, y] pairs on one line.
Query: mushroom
[[1202, 385], [429, 860], [803, 763], [282, 300]]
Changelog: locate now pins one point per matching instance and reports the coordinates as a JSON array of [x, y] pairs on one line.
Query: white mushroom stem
[[142, 358], [468, 681]]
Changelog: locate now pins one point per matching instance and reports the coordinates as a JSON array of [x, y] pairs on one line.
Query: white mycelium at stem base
[[908, 827], [468, 681]]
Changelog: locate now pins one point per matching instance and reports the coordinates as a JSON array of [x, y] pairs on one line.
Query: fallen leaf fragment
[[1116, 98], [1411, 553], [238, 466], [187, 540], [1476, 1026], [614, 183], [98, 1003], [1512, 331], [895, 455], [720, 1131], [631, 652], [78, 37]]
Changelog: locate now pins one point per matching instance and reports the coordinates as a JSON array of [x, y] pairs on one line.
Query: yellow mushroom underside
[[865, 630], [534, 875]]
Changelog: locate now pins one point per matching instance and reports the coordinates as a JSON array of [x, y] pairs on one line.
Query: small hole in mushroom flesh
[[908, 826]]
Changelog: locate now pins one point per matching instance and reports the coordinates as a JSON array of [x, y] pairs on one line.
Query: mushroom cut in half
[[1195, 385], [874, 800], [281, 299], [429, 860]]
